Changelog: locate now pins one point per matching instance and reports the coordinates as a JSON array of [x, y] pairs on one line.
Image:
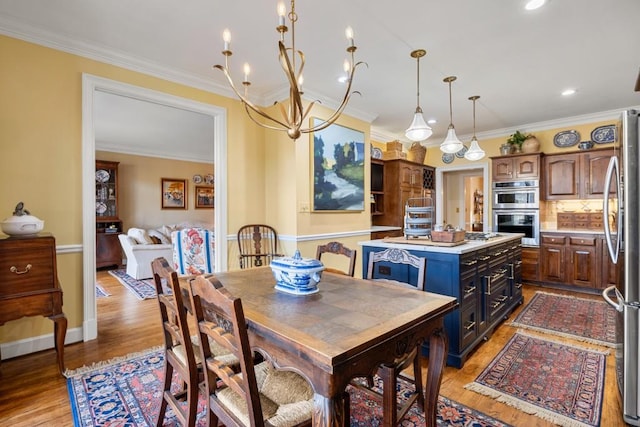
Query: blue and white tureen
[[297, 275]]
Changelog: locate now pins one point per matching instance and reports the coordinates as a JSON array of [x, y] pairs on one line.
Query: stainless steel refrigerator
[[622, 233]]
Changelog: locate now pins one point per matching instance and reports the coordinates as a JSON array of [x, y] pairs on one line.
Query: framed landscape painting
[[337, 168], [204, 197], [174, 193]]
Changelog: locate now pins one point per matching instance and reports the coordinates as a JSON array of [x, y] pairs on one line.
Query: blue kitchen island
[[485, 276]]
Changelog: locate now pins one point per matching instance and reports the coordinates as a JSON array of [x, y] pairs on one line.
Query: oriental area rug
[[101, 292], [582, 319], [142, 289], [557, 382], [127, 392]]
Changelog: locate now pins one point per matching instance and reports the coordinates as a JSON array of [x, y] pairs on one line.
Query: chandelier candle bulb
[[247, 71], [282, 11], [349, 33], [226, 36]]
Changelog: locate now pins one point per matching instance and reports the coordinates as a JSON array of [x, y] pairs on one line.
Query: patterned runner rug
[[556, 382], [126, 392], [142, 289], [101, 292], [578, 318]]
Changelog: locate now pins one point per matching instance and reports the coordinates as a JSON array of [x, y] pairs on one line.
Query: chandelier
[[292, 62]]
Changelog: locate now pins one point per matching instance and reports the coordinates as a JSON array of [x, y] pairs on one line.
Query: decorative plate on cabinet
[[448, 157], [460, 154], [101, 208], [102, 175], [566, 138], [604, 134], [197, 179], [376, 153], [208, 179]]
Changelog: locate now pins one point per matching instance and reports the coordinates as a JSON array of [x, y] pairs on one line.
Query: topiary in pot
[[517, 139]]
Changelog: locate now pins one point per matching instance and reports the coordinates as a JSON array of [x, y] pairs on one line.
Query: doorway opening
[[462, 190], [91, 85]]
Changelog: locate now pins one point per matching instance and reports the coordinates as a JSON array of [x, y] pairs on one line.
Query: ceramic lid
[[23, 219], [296, 262]]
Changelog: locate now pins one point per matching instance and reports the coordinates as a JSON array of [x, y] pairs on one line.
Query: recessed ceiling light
[[568, 92], [343, 79], [432, 121], [534, 4]]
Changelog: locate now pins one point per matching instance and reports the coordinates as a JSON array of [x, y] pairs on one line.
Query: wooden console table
[[29, 284]]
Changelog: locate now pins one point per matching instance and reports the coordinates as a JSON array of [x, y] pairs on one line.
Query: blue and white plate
[[604, 134], [448, 157], [460, 153], [566, 138], [376, 153]]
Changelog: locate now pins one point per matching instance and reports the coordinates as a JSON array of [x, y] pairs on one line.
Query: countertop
[[467, 246]]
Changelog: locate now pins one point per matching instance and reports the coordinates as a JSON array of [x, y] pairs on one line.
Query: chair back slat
[[338, 248], [398, 256], [220, 316], [257, 245]]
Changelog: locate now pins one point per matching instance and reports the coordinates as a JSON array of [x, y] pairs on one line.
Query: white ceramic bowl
[[21, 225], [297, 275]]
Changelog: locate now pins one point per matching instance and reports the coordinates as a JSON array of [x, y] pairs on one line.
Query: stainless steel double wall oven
[[516, 209]]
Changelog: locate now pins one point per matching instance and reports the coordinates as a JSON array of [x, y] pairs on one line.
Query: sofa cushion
[[140, 236], [162, 238]]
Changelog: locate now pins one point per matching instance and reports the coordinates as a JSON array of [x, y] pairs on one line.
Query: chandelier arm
[[264, 125], [295, 101], [245, 100]]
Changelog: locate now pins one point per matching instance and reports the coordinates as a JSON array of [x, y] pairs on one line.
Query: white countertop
[[375, 228], [467, 246]]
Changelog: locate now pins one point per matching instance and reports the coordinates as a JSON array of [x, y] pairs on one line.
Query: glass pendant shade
[[451, 143], [419, 129], [474, 152]]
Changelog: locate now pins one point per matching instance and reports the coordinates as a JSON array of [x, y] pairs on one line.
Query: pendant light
[[451, 143], [474, 152], [419, 129]]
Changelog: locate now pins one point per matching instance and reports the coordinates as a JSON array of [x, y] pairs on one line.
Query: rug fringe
[[562, 334], [525, 406], [570, 297], [579, 347], [68, 373]]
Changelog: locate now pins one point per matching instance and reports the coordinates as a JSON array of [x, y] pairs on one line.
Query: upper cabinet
[[576, 175], [515, 167]]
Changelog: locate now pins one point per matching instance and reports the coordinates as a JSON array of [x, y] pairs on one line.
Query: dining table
[[345, 330]]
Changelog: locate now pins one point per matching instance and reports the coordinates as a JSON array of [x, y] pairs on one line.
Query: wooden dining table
[[343, 331]]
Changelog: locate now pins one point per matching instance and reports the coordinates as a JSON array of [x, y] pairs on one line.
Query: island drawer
[[469, 323]]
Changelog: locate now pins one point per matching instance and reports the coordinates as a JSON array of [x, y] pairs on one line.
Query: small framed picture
[[204, 197], [174, 193]]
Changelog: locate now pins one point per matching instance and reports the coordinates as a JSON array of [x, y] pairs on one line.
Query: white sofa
[[140, 255]]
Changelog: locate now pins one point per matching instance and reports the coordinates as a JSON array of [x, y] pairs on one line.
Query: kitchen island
[[484, 275]]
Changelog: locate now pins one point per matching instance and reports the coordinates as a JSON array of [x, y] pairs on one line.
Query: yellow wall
[[139, 180], [41, 141]]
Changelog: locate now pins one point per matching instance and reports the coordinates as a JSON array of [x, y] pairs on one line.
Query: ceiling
[[517, 61]]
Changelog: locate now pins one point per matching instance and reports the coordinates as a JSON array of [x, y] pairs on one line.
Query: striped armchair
[[193, 251]]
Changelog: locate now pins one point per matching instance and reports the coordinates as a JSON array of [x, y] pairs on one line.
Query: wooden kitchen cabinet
[[402, 180], [576, 175], [515, 167], [577, 260], [530, 264]]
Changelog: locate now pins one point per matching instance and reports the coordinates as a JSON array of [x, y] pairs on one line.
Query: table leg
[[437, 359], [59, 334], [330, 412]]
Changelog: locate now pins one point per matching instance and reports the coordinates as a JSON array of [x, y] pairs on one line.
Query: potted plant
[[526, 143]]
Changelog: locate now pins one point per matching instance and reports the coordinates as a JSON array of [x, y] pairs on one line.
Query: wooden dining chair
[[338, 248], [180, 355], [389, 373], [258, 245], [256, 394]]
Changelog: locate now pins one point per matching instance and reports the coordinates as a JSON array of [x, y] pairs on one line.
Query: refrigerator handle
[[613, 165], [619, 305]]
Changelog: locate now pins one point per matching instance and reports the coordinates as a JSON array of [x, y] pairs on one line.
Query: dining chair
[[180, 355], [258, 245], [338, 248], [390, 372], [256, 394]]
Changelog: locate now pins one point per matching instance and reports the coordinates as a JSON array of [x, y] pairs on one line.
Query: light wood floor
[[33, 393]]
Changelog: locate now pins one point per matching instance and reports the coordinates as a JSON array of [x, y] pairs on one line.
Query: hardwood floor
[[33, 393]]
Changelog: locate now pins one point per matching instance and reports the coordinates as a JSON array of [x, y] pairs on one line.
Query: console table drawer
[[27, 267]]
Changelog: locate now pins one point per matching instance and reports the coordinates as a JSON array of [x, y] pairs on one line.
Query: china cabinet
[[108, 223]]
